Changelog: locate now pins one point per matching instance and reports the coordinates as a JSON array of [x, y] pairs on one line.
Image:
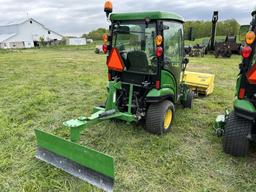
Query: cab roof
[[143, 15]]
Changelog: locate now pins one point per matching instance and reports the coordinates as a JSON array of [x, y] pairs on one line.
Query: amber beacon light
[[108, 7]]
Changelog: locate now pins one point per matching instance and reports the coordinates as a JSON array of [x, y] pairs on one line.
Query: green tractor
[[146, 62], [238, 126]]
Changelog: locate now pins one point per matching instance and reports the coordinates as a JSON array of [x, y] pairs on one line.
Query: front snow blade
[[77, 160]]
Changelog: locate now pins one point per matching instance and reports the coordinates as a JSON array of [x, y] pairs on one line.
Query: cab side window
[[173, 45]]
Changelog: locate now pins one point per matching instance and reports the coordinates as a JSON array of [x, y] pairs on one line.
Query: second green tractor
[[238, 126]]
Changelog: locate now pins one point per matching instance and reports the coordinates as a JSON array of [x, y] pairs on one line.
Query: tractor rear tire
[[159, 117], [235, 140], [189, 101]]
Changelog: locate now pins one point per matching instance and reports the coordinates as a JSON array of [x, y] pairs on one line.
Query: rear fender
[[245, 109], [168, 81], [155, 95]]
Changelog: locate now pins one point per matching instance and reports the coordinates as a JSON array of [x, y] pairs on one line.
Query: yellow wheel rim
[[168, 119]]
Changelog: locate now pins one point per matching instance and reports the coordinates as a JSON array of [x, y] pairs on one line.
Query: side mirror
[[185, 62]]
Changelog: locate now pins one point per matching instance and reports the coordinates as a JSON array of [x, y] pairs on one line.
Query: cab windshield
[[135, 42]]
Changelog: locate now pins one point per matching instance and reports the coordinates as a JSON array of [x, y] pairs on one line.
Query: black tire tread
[[155, 115], [235, 140], [189, 101]]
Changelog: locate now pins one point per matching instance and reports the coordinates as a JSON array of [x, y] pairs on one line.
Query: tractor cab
[[151, 50]]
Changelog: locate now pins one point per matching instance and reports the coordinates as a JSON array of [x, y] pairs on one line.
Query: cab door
[[173, 49]]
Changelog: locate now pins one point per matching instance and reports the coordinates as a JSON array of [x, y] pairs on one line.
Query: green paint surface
[[160, 92], [84, 156], [142, 15], [168, 81], [244, 104], [238, 83]]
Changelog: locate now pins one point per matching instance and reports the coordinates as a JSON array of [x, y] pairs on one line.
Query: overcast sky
[[74, 17]]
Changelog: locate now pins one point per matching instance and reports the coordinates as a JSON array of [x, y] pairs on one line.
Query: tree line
[[200, 29], [95, 34]]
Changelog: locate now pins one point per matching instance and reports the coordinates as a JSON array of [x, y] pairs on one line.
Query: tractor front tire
[[235, 140], [159, 117], [189, 100]]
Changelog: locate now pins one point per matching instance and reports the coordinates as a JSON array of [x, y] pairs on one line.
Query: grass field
[[41, 88]]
